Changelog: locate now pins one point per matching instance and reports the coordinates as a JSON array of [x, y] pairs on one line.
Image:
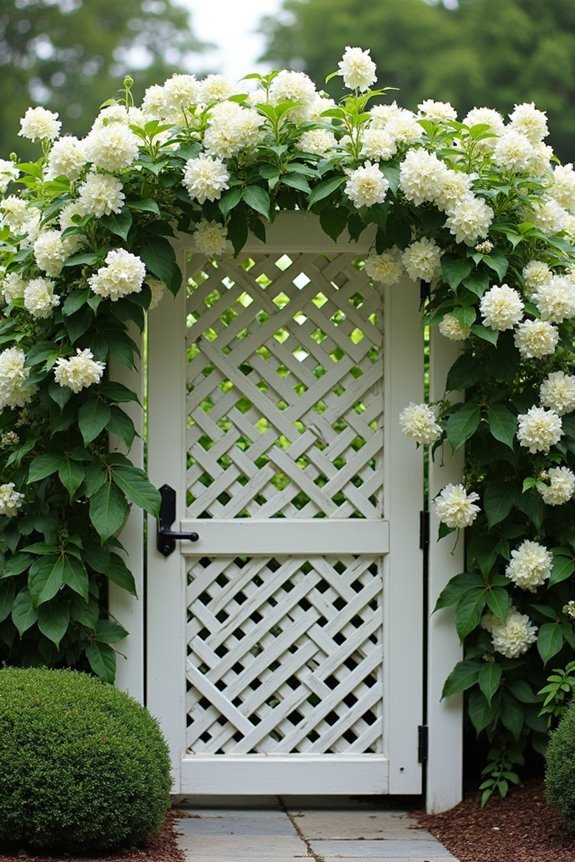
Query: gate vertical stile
[[319, 563]]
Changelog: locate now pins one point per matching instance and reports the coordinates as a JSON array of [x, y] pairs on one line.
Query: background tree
[[482, 52], [71, 55]]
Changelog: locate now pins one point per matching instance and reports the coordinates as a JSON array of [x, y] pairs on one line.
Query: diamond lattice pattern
[[284, 655], [284, 389]]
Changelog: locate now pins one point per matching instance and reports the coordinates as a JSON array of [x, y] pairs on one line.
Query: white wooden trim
[[127, 609], [260, 538], [444, 717], [403, 568]]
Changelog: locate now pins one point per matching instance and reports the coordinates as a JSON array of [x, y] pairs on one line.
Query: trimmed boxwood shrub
[[560, 767], [83, 767]]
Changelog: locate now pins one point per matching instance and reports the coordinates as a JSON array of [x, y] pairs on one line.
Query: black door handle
[[165, 536]]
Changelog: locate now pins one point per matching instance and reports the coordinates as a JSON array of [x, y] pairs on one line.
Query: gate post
[[446, 559]]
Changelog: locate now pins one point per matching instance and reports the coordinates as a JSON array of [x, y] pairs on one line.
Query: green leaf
[[462, 424], [456, 587], [229, 200], [160, 258], [324, 189], [466, 371], [257, 199], [119, 224], [53, 621], [7, 593], [522, 691], [119, 574], [477, 283], [108, 632], [117, 392], [88, 258], [296, 181], [108, 510], [499, 602], [392, 173], [121, 425], [59, 394], [76, 576], [146, 206], [469, 610], [44, 466], [498, 501], [549, 640], [497, 262], [137, 488], [480, 712], [503, 424], [71, 475], [512, 715], [15, 565], [485, 333], [333, 221], [46, 579], [238, 229], [84, 613], [455, 270], [24, 613], [463, 676], [93, 416], [563, 568], [102, 660], [489, 679]]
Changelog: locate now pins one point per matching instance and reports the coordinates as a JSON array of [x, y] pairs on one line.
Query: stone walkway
[[291, 830]]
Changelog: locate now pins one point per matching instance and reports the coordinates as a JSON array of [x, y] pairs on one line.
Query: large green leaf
[[118, 572], [490, 679], [498, 500], [160, 258], [44, 466], [333, 221], [463, 676], [121, 425], [118, 223], [456, 588], [502, 423], [45, 579], [76, 577], [466, 371], [24, 614], [498, 602], [84, 613], [324, 189], [468, 611], [7, 593], [71, 475], [109, 632], [257, 199], [137, 488], [53, 621], [455, 270], [108, 510], [512, 715], [229, 200], [102, 659], [481, 713], [462, 424], [563, 568], [549, 640], [93, 416]]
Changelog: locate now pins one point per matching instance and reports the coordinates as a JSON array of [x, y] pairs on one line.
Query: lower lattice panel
[[285, 655]]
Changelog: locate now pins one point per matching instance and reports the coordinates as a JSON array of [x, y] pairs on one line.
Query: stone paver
[[270, 833]]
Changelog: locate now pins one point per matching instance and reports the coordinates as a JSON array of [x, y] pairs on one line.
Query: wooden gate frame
[[443, 719]]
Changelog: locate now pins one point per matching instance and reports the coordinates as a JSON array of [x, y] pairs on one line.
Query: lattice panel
[[285, 404], [284, 655]]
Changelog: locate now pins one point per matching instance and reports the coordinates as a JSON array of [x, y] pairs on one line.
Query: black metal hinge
[[422, 743], [423, 530]]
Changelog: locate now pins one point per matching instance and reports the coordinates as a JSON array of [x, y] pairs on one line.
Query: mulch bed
[[519, 828]]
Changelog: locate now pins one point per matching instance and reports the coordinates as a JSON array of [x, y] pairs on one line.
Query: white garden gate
[[285, 646]]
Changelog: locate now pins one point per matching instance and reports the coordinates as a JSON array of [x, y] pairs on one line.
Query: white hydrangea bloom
[[535, 274], [154, 103], [211, 239], [530, 121], [513, 151], [112, 147], [536, 338], [404, 127], [386, 267], [378, 144], [455, 507], [366, 186], [455, 186], [215, 88], [539, 429], [501, 307], [437, 112], [15, 213], [422, 259], [318, 141], [118, 114], [296, 86], [382, 114], [419, 423], [563, 186], [485, 117], [66, 159], [122, 274], [231, 128], [422, 176], [530, 565], [79, 371], [451, 328], [548, 215], [12, 286], [541, 161], [469, 219], [314, 108], [558, 392], [180, 92], [10, 500], [66, 218], [205, 178], [49, 252], [555, 299], [561, 486], [485, 247], [39, 297], [14, 391], [8, 173], [38, 124], [357, 69], [513, 637], [101, 194]]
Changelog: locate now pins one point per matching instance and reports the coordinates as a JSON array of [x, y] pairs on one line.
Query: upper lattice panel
[[285, 389]]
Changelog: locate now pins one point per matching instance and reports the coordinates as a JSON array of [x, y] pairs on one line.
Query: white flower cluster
[[367, 186], [555, 298], [205, 178], [386, 267], [539, 429], [530, 565], [561, 486], [79, 371], [38, 124], [501, 307], [513, 637], [451, 328], [318, 141], [8, 173], [455, 507], [39, 297], [231, 129], [49, 252], [558, 392], [12, 286], [419, 423], [66, 159], [536, 338], [211, 239], [112, 147], [357, 69], [101, 194], [10, 500], [422, 260], [14, 388], [122, 274]]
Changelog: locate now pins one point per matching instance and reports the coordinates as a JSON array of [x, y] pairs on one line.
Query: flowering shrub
[[478, 207]]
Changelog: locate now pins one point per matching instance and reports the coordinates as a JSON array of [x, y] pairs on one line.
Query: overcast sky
[[230, 24]]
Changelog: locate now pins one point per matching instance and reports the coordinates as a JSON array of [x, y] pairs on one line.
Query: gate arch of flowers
[[479, 208]]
